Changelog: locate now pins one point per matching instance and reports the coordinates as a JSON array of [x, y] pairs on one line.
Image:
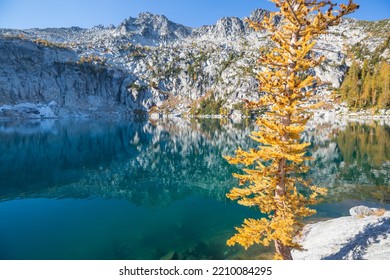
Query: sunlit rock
[[346, 238]]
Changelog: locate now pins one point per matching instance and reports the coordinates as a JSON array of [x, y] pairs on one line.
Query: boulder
[[361, 211], [366, 237]]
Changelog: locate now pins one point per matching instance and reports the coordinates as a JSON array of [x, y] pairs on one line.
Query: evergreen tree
[[365, 69], [384, 85], [271, 179], [350, 90], [375, 86], [366, 91], [366, 84]]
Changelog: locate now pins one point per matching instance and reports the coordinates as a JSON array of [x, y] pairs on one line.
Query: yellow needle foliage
[[272, 179]]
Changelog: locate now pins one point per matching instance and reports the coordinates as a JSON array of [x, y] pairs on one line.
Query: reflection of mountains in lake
[[156, 163], [144, 162], [354, 162]]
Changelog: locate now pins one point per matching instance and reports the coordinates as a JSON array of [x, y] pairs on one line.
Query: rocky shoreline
[[365, 235], [51, 110]]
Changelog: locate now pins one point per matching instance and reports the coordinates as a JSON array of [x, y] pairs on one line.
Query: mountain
[[150, 64], [149, 29]]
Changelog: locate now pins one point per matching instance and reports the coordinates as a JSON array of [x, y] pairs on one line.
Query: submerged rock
[[357, 237], [172, 255]]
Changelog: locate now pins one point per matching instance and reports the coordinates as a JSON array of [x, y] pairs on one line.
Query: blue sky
[[87, 13]]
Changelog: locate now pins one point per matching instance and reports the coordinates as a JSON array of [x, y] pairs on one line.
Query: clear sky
[[88, 13]]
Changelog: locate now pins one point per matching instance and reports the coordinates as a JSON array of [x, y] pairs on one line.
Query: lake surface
[[156, 190]]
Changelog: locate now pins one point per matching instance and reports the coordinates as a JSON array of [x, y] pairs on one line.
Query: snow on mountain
[[150, 64]]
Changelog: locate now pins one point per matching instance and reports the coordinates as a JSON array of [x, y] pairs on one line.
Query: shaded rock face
[[33, 73], [25, 68]]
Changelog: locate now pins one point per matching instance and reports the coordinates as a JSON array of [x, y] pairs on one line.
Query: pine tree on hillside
[[350, 89], [366, 84], [366, 91], [271, 180], [384, 84]]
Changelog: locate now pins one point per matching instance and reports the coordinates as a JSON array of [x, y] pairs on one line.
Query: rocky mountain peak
[[153, 26], [258, 15], [229, 26]]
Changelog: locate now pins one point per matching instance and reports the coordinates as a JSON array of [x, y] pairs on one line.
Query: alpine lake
[[104, 189]]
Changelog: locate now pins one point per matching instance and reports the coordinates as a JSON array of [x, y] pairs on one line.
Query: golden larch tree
[[272, 177]]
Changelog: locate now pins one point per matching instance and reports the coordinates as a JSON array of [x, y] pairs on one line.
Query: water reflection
[[366, 152], [354, 162], [147, 163], [157, 163], [151, 190]]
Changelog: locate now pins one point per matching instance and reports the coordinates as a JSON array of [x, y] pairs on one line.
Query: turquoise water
[[145, 190]]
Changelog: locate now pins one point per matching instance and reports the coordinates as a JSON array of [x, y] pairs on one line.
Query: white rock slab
[[346, 238]]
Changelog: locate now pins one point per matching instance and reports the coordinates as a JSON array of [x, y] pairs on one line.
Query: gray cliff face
[[37, 74], [25, 67], [149, 63]]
